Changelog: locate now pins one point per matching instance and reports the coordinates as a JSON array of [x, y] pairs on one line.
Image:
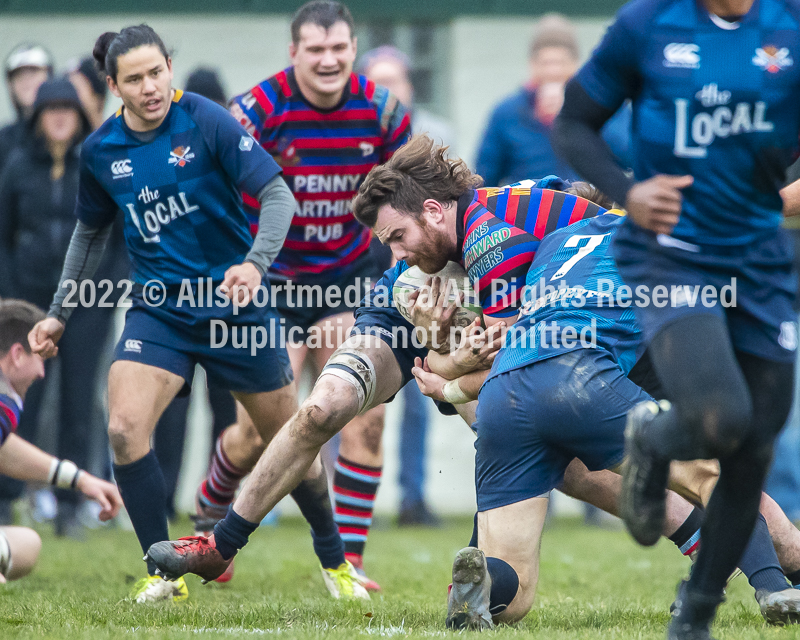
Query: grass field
[[594, 584]]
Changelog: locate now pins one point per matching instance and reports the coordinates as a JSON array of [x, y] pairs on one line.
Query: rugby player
[[704, 208], [19, 368], [326, 127], [175, 164], [560, 389]]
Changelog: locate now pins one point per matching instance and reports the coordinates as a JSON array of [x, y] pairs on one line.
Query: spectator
[[27, 67], [38, 189], [92, 90], [206, 82], [516, 145], [389, 67]]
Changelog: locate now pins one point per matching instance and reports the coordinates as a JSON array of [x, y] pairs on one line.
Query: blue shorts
[[534, 420], [760, 319], [306, 310], [177, 338]]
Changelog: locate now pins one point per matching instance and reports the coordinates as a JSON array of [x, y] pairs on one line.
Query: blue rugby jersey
[[10, 409], [717, 100], [573, 284], [325, 156], [180, 192]]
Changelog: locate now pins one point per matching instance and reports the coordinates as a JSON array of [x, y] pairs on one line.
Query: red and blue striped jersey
[[499, 230], [325, 156], [10, 409]]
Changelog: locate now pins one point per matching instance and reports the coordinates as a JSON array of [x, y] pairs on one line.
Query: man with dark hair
[[19, 368], [326, 127]]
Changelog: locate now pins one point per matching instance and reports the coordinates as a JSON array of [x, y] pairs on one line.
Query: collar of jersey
[[153, 133], [750, 17]]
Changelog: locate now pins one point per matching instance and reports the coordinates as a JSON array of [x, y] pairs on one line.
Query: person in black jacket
[[38, 189]]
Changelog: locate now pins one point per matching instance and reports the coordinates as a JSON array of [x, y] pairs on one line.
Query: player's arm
[[252, 170], [21, 460], [459, 391], [394, 120], [791, 199]]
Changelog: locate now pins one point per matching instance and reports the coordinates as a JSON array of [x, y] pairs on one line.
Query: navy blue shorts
[[305, 310], [177, 338], [534, 420], [760, 319]]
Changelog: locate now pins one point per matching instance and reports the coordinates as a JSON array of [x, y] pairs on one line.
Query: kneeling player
[[19, 368]]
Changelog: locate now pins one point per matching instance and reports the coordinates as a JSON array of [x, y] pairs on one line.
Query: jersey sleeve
[[9, 417], [248, 166], [394, 119], [94, 206], [612, 74], [251, 110]]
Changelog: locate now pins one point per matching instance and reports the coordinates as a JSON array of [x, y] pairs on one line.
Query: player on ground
[[704, 209], [175, 164], [573, 339], [19, 368], [326, 127]]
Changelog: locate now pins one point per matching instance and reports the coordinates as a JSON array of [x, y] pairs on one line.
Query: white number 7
[[585, 250]]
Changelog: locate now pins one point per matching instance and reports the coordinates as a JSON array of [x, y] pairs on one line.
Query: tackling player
[[19, 368], [326, 127], [175, 164], [704, 210]]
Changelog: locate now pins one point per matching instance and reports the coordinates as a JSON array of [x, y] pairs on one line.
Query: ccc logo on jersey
[[682, 55], [121, 169]]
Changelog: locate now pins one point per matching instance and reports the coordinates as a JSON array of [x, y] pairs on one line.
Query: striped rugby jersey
[[325, 155], [10, 409], [499, 230]]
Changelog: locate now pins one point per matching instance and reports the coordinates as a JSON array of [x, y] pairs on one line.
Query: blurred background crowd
[[490, 89]]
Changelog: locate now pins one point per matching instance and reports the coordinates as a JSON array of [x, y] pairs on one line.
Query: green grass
[[593, 584]]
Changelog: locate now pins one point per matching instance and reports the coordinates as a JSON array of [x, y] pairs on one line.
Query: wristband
[[64, 474], [453, 394]]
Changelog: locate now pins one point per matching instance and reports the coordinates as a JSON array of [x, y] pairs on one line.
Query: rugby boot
[[694, 613], [358, 573], [643, 499], [207, 515], [342, 584], [468, 598], [780, 608], [194, 554], [156, 589]]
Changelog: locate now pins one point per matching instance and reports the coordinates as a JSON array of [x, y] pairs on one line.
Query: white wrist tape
[[453, 393], [64, 474]]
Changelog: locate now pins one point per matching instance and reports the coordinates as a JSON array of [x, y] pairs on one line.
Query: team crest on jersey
[[367, 149], [287, 154], [180, 156], [682, 55], [772, 59]]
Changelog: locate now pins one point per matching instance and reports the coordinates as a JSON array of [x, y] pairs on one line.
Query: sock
[[144, 493], [794, 578], [760, 562], [354, 489], [315, 505], [505, 583], [473, 541], [231, 533], [687, 537], [223, 478]]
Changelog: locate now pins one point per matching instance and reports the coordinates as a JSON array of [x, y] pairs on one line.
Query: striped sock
[[222, 481], [354, 489], [687, 537]]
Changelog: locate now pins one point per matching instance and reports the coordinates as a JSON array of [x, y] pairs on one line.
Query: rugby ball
[[413, 278]]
